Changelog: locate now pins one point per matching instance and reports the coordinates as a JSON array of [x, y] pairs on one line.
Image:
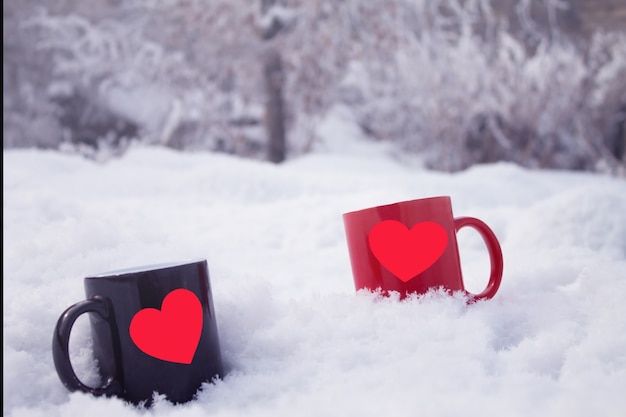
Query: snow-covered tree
[[460, 81]]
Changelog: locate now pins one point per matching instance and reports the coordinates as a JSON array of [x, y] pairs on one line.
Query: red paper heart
[[407, 253], [172, 333]]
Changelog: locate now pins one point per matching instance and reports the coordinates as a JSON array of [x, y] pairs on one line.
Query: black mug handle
[[60, 346]]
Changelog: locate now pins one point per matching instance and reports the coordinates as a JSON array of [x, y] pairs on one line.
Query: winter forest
[[541, 83]]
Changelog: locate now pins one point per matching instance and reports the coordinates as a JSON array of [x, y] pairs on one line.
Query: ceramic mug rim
[[146, 268], [439, 197]]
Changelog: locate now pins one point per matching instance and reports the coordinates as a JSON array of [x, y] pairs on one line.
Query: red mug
[[411, 247]]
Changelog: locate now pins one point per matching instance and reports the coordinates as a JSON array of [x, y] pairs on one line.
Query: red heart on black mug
[[171, 334], [407, 253]]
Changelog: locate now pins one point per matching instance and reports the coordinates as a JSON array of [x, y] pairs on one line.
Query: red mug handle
[[495, 255]]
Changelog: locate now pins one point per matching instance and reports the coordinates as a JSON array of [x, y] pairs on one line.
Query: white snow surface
[[297, 339]]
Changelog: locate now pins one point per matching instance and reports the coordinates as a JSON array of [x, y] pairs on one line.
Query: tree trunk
[[274, 108]]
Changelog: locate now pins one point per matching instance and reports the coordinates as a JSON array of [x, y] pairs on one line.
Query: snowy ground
[[296, 338]]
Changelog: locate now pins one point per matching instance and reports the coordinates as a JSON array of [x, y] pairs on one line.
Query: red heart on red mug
[[172, 333], [407, 253]]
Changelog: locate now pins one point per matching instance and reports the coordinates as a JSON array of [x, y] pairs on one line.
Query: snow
[[296, 337]]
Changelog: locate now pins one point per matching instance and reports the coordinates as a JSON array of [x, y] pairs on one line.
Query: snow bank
[[296, 338]]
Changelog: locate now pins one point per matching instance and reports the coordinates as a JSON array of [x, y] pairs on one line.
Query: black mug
[[154, 331]]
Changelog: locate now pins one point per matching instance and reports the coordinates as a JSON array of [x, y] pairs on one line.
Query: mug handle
[[60, 346], [495, 255]]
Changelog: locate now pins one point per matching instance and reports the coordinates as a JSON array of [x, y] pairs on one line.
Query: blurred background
[[541, 83]]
